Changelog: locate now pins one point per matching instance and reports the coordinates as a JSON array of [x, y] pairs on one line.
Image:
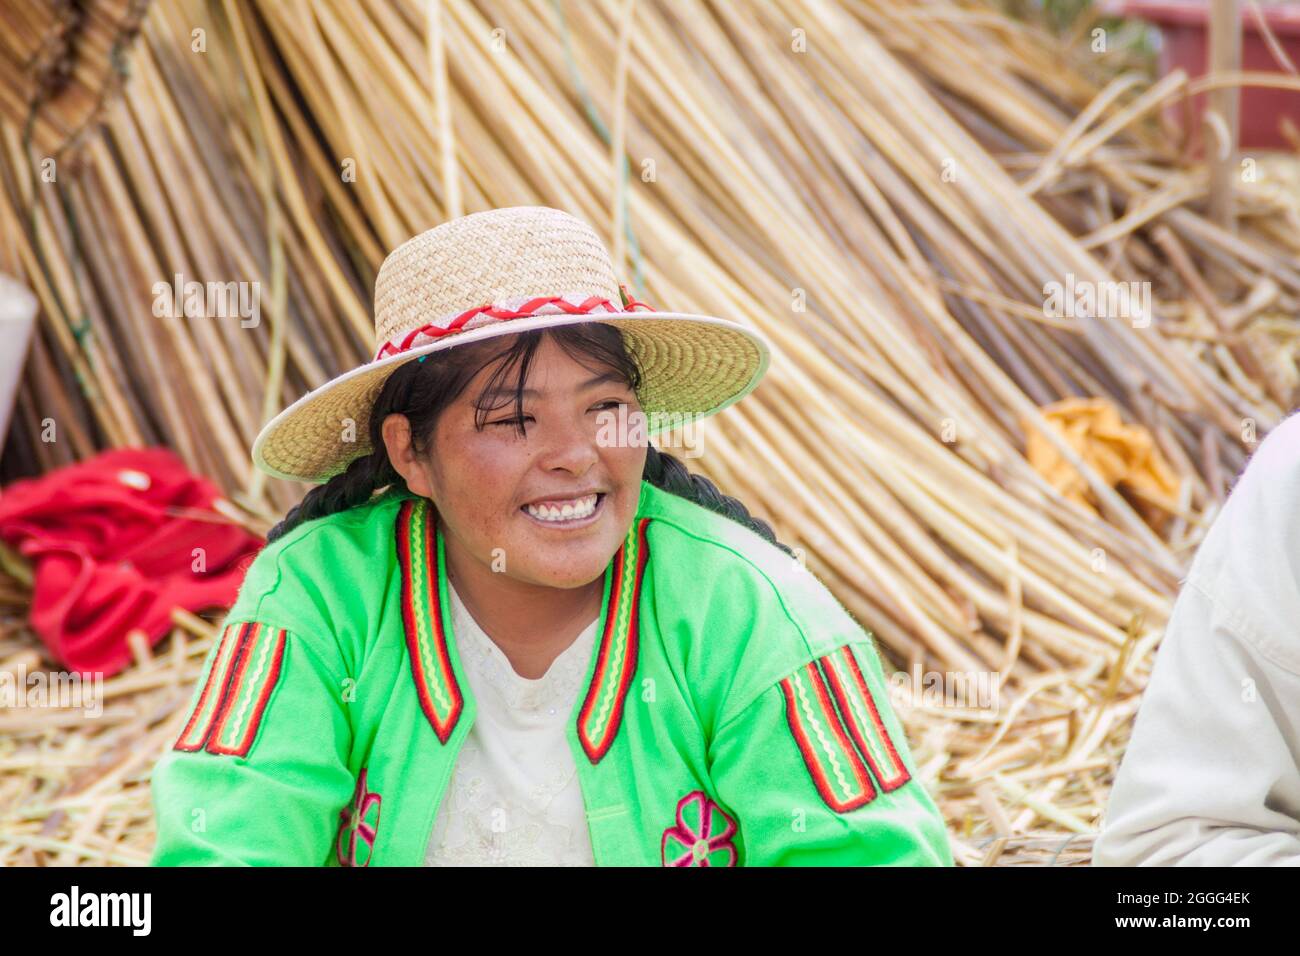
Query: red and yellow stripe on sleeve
[[862, 718], [244, 670], [839, 731]]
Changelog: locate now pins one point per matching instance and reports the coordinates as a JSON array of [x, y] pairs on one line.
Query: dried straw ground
[[883, 188]]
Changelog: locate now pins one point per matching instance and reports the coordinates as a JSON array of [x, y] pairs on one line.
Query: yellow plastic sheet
[[1125, 456]]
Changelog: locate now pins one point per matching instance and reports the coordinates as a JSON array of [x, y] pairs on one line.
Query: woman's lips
[[583, 511]]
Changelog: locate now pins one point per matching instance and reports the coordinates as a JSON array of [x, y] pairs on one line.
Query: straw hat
[[499, 272]]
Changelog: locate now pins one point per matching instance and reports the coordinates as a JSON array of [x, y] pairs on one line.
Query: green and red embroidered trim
[[836, 769], [422, 618], [836, 742], [244, 672], [429, 634], [862, 718], [602, 710]]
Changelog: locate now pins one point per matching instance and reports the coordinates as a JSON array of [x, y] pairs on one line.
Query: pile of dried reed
[[882, 188], [61, 61]]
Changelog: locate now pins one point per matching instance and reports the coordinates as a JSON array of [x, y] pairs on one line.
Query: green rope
[[34, 184], [593, 117], [80, 331]]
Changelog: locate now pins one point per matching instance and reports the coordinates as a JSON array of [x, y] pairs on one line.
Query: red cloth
[[109, 554]]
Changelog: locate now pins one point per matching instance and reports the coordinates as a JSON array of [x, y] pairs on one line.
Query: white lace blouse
[[514, 797]]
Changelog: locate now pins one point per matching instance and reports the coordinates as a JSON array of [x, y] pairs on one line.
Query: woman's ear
[[396, 431]]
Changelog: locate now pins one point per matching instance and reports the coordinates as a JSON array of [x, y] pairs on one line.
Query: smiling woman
[[501, 481], [495, 635]]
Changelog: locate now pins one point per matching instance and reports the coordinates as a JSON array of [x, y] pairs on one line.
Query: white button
[[134, 479]]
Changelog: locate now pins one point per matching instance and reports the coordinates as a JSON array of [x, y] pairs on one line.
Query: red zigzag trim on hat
[[529, 308]]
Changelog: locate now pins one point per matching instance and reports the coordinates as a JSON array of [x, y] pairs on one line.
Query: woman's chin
[[564, 565]]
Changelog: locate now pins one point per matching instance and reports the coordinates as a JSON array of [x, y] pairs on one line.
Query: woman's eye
[[515, 422]]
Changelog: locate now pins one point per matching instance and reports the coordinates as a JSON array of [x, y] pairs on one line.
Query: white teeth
[[571, 510]]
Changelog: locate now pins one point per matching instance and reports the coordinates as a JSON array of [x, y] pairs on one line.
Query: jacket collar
[[426, 621]]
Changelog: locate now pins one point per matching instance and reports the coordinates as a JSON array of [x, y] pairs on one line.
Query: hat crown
[[489, 257]]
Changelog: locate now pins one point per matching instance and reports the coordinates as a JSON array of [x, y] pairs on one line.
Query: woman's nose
[[570, 446]]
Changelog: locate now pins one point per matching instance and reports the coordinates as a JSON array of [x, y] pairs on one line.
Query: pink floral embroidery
[[702, 835], [356, 825]]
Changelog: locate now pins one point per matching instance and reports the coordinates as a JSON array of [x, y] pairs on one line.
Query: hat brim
[[693, 366]]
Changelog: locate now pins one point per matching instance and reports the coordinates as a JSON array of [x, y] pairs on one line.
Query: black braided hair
[[420, 390], [664, 471]]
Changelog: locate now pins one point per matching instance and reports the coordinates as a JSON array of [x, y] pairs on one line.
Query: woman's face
[[483, 482]]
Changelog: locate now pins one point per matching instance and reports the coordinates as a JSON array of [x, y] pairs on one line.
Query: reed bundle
[[884, 189], [59, 63]]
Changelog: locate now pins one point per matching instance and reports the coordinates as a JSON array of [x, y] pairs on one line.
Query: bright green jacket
[[733, 712]]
